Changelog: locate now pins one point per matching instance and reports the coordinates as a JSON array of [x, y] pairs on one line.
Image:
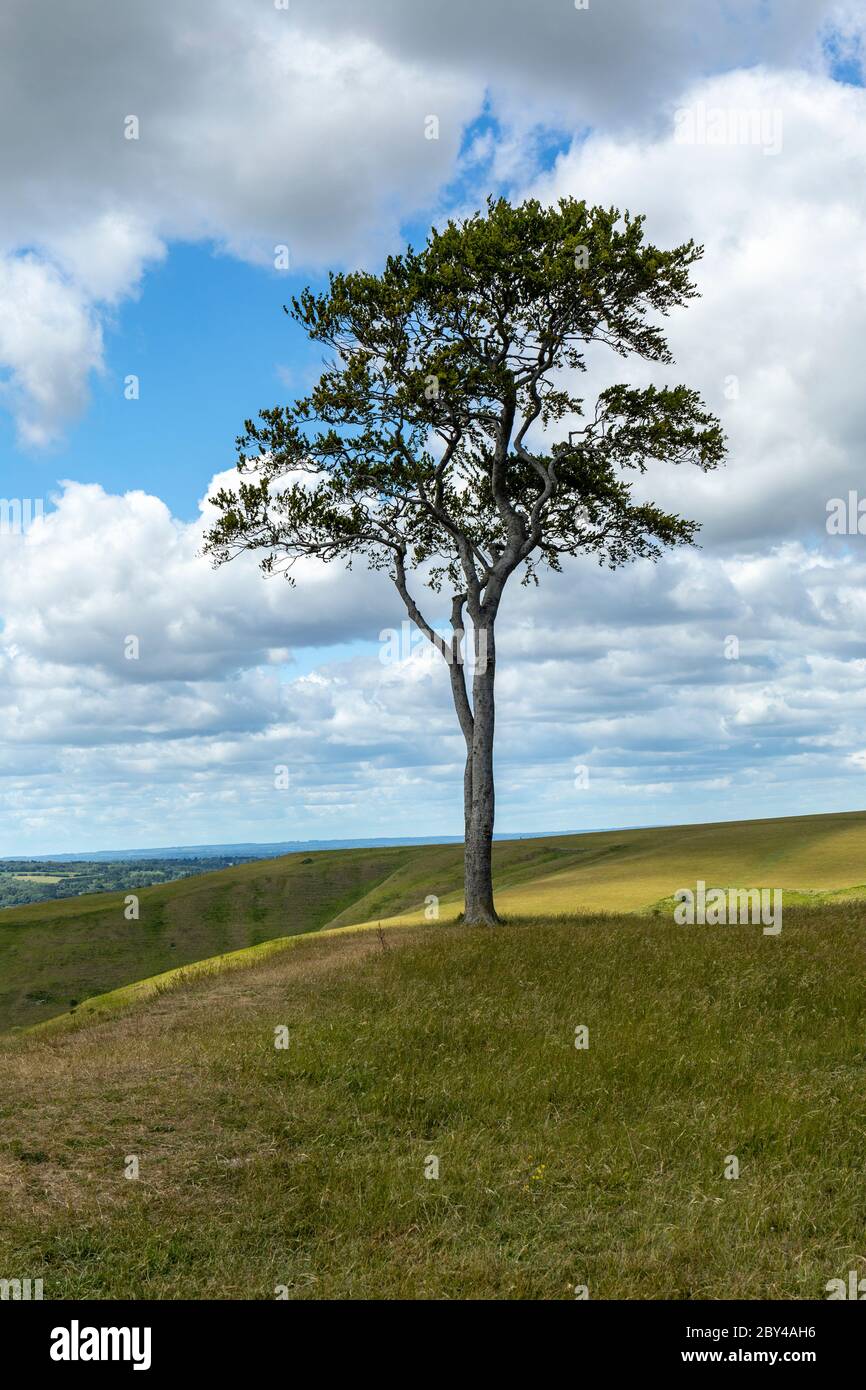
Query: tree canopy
[[415, 446]]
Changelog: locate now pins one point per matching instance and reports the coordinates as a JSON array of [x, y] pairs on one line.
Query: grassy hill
[[54, 956], [300, 1172]]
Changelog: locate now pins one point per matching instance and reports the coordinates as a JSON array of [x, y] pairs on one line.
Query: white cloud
[[611, 63], [98, 568], [50, 341], [619, 672], [304, 127], [252, 132], [783, 281]]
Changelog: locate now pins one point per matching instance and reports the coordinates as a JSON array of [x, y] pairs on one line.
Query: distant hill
[[253, 850], [56, 954]]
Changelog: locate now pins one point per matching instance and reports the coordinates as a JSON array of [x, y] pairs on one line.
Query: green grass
[[54, 956], [37, 878], [304, 1168]]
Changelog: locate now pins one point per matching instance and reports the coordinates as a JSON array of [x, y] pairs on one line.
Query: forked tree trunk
[[476, 721], [478, 787]]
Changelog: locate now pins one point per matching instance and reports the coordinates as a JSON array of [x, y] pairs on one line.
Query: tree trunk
[[478, 787]]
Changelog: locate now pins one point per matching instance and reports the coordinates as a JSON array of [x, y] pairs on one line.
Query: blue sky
[[207, 337], [155, 258]]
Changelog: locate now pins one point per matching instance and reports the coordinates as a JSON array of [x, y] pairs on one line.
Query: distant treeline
[[39, 880]]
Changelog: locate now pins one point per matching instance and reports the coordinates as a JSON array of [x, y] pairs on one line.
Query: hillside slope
[[53, 956], [310, 1171], [633, 870]]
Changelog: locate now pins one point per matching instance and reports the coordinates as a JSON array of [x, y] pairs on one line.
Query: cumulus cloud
[[50, 341], [251, 132], [621, 697], [783, 281], [305, 127], [613, 63], [98, 568]]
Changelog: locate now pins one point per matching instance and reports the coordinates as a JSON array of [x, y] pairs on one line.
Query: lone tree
[[434, 440]]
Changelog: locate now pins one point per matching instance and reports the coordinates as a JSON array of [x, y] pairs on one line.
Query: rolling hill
[[431, 1130], [54, 956]]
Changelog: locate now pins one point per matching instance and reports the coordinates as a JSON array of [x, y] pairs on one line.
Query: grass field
[[38, 878], [54, 956], [302, 1171]]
